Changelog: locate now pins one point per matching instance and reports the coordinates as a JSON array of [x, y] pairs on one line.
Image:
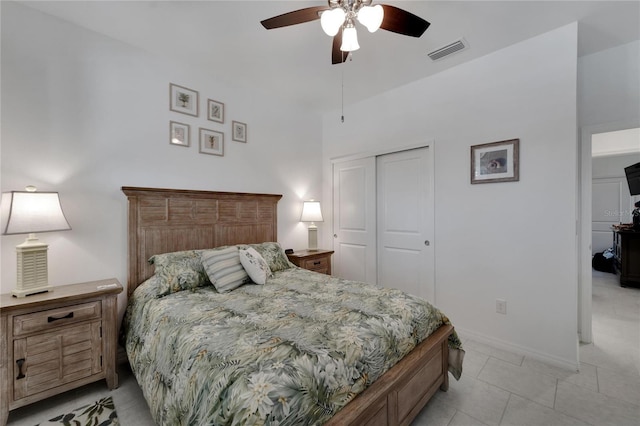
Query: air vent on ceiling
[[449, 49]]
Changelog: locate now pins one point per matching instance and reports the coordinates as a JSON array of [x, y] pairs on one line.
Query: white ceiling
[[294, 63]]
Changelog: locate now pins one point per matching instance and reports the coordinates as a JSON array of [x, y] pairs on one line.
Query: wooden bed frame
[[167, 220]]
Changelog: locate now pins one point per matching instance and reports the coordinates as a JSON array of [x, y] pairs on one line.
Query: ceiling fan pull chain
[[342, 117]]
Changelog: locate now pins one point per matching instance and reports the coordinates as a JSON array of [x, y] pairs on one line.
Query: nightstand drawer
[[316, 260], [46, 320], [321, 263]]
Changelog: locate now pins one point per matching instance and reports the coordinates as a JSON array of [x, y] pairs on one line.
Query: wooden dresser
[[317, 261], [626, 244], [53, 342]]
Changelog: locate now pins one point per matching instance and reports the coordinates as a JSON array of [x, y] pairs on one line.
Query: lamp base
[[30, 291], [313, 237], [32, 276]]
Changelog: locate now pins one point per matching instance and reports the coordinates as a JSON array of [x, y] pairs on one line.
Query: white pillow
[[255, 265], [224, 268]]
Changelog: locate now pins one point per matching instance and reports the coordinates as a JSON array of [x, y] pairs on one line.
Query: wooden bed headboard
[[168, 220]]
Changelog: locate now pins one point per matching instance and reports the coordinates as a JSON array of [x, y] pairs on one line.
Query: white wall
[[84, 115], [507, 240], [613, 165], [609, 85]]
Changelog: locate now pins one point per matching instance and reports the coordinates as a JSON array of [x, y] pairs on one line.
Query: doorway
[[586, 228]]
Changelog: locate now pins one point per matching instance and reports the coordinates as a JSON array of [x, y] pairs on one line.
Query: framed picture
[[183, 100], [495, 162], [239, 131], [211, 142], [179, 134], [215, 111]]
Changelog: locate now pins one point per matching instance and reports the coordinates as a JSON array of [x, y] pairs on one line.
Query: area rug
[[99, 413]]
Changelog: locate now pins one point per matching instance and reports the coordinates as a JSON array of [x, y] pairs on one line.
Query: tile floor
[[502, 388], [497, 387]]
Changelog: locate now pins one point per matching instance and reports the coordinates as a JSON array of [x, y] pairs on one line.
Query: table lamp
[[311, 213], [28, 212]]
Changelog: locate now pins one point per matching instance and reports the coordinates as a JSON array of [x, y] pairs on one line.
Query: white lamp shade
[[311, 212], [371, 17], [332, 20], [31, 212], [349, 40]]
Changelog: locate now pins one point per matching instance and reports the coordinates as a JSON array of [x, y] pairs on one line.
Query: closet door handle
[[20, 363], [52, 319]]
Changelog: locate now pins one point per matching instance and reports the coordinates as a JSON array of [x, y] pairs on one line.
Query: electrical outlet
[[501, 306]]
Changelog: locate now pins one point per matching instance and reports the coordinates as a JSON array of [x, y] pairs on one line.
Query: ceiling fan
[[338, 21]]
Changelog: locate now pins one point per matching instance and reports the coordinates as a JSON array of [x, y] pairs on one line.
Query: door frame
[[431, 146], [584, 228]]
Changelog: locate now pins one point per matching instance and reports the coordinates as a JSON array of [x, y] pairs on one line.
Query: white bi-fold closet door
[[384, 220]]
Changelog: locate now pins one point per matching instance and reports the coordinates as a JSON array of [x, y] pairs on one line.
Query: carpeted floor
[[101, 412]]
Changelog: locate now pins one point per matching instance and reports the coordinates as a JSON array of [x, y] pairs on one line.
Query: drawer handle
[[52, 319], [20, 363], [317, 263]]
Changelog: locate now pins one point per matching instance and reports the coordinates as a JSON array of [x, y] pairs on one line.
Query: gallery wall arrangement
[[184, 100]]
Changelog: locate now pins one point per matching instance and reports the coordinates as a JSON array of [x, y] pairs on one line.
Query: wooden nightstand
[[317, 261], [53, 342]]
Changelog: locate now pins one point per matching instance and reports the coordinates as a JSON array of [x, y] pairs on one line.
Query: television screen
[[633, 178]]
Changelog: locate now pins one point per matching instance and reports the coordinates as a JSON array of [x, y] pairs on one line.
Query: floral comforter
[[294, 351]]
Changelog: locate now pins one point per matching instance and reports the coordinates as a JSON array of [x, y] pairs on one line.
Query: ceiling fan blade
[[337, 55], [403, 22], [292, 18]]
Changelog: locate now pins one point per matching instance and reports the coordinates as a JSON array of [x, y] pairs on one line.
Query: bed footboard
[[399, 395]]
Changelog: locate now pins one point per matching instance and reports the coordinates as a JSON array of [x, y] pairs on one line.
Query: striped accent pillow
[[224, 268]]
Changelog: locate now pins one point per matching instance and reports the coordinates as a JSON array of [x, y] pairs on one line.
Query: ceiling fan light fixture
[[340, 15], [332, 20], [371, 17], [349, 39]]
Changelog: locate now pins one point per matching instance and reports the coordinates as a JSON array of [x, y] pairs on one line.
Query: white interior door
[[611, 204], [354, 220], [405, 222]]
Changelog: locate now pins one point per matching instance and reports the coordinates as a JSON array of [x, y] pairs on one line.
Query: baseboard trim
[[570, 365]]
